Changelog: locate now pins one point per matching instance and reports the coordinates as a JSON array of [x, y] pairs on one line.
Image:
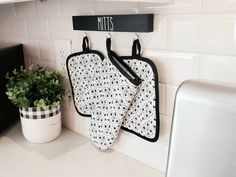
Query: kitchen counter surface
[[70, 155]]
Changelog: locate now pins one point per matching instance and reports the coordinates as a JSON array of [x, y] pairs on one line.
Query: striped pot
[[40, 125]]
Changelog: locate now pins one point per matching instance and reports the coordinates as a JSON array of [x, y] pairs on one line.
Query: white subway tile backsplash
[[37, 28], [147, 152], [174, 67], [176, 6], [31, 49], [158, 38], [77, 7], [116, 8], [170, 99], [162, 98], [219, 6], [7, 10], [77, 43], [45, 63], [203, 33], [25, 9], [165, 126], [218, 68], [4, 27], [28, 62], [98, 40], [47, 50], [18, 27], [48, 8], [61, 27]]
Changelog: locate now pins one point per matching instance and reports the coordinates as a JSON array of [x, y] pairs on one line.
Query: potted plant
[[37, 92]]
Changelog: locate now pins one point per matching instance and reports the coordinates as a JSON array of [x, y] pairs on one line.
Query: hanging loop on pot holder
[[108, 44], [142, 118], [85, 44], [136, 48], [121, 65]]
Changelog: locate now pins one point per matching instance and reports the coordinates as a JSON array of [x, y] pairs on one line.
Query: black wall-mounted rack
[[116, 23]]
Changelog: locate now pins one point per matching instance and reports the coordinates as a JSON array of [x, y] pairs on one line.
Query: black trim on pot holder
[[87, 51], [119, 63], [153, 66]]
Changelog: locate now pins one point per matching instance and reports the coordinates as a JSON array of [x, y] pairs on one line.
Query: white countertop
[[70, 155]]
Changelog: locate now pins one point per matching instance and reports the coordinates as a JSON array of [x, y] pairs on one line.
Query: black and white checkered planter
[[40, 125]]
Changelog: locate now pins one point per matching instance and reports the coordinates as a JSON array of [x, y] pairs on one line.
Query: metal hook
[[109, 34], [136, 36], [85, 34]]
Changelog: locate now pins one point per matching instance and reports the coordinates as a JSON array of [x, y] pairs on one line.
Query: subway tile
[[158, 38], [174, 67], [9, 39], [61, 27], [116, 8], [45, 63], [18, 27], [120, 39], [31, 48], [4, 27], [176, 6], [7, 10], [120, 42], [214, 33], [219, 6], [48, 8], [98, 40], [47, 51], [76, 44], [37, 28], [27, 61], [170, 99], [2, 39], [147, 152], [76, 7], [162, 98], [218, 68], [25, 9], [165, 126]]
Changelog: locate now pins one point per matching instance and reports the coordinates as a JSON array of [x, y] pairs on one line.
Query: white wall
[[192, 39]]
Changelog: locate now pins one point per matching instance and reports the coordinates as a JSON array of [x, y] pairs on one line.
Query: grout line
[[139, 7], [26, 29], [14, 9], [60, 8]]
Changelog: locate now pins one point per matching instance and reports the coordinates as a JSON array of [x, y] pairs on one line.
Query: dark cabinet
[[11, 57]]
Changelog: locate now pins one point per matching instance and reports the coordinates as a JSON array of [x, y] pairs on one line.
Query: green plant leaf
[[35, 86]]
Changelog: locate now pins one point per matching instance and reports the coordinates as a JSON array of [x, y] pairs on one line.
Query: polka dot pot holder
[[114, 87], [115, 92], [142, 117], [81, 70]]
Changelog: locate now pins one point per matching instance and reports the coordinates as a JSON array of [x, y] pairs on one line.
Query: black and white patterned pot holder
[[113, 89], [142, 118], [81, 68]]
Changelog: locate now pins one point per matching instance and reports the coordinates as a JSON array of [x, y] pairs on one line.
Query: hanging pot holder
[[81, 69], [114, 87], [142, 118]]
